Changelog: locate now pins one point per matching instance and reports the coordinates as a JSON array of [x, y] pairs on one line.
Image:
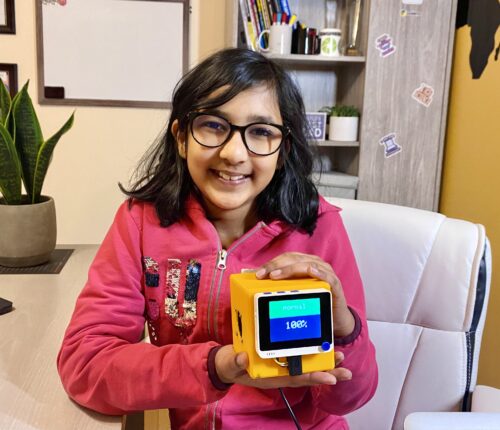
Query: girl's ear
[[180, 137]]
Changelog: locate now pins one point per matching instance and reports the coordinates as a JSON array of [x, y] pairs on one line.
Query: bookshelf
[[324, 81], [381, 88]]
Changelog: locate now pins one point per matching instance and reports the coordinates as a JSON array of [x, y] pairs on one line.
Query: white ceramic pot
[[344, 128]]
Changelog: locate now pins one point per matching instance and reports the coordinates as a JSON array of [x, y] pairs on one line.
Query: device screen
[[294, 320]]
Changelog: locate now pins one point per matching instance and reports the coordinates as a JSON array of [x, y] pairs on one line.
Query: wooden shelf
[[316, 59], [336, 143]]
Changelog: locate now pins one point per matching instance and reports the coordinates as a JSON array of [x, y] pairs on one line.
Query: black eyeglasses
[[259, 138]]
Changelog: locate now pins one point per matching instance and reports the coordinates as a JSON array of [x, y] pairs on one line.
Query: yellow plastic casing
[[243, 288]]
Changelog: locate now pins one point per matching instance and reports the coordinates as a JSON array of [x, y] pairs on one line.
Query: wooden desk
[[31, 394]]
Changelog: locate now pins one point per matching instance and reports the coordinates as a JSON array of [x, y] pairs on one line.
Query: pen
[[292, 20]]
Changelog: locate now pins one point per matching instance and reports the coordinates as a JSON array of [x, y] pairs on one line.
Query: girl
[[228, 187]]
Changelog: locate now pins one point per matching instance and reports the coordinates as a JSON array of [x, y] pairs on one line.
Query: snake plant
[[24, 154]]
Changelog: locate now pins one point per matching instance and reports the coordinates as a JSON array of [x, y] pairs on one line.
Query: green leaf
[[43, 158], [10, 168], [5, 103], [28, 138]]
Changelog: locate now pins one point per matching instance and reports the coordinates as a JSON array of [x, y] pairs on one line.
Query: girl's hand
[[297, 265], [231, 367]]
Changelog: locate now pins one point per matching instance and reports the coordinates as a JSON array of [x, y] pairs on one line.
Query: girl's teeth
[[230, 178]]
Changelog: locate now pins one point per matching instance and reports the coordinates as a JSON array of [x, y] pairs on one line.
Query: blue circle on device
[[325, 346]]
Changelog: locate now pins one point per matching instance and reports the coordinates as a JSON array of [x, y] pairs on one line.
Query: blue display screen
[[294, 319]]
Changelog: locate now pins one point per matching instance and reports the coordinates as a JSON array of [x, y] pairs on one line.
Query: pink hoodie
[[172, 278]]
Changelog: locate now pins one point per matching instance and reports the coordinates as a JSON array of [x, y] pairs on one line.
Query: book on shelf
[[262, 8], [258, 17], [248, 25]]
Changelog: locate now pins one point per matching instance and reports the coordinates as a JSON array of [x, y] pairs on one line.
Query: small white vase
[[344, 128]]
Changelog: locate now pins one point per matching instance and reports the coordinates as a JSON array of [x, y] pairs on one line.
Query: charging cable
[[290, 411], [294, 365]]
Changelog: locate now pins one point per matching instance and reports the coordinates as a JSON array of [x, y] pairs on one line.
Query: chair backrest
[[426, 280]]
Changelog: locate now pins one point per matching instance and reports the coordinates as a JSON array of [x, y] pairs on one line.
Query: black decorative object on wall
[[483, 17]]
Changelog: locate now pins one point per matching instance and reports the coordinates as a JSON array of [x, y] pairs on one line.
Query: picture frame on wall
[[8, 74], [7, 17]]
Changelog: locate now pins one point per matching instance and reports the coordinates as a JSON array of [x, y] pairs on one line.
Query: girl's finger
[[283, 260], [339, 357], [342, 374]]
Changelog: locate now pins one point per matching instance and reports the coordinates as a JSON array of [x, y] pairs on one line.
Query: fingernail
[[314, 271], [260, 273], [275, 272]]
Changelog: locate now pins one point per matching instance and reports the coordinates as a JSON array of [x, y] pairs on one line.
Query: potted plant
[[27, 221], [344, 122]]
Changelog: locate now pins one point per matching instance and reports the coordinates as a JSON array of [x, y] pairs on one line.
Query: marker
[[292, 20]]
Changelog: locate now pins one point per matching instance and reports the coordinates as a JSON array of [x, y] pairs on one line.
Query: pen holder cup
[[280, 39]]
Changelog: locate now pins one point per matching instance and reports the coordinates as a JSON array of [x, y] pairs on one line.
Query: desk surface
[[31, 394]]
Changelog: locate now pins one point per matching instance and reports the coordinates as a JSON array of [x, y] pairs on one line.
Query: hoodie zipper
[[220, 267], [221, 259]]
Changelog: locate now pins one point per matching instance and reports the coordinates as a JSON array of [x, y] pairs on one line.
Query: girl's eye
[[214, 125], [264, 131]]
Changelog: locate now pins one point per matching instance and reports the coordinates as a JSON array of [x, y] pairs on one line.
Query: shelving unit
[[381, 87], [324, 81]]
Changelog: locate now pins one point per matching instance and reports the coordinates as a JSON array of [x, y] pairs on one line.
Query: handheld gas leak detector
[[285, 326]]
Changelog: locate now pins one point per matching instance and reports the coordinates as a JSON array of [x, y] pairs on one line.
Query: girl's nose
[[234, 150]]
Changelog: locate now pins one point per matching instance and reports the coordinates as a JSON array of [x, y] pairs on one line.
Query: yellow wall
[[105, 143], [471, 174]]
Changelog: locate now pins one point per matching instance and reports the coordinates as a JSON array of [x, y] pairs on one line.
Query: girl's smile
[[231, 178]]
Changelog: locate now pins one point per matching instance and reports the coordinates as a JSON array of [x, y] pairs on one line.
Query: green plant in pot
[[344, 121], [27, 221]]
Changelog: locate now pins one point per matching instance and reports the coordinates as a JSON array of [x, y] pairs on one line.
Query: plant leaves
[[10, 168], [5, 103], [28, 138], [43, 158]]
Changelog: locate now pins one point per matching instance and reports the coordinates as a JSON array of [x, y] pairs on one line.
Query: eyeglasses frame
[[285, 131]]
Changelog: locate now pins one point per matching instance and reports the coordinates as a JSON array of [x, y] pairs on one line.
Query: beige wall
[[471, 176], [105, 143]]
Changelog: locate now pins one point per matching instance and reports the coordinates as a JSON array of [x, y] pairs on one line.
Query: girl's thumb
[[241, 360]]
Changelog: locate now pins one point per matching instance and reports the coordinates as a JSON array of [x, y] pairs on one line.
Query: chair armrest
[[485, 399], [452, 421]]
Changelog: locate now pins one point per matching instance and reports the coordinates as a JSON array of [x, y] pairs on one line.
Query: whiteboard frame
[[43, 100]]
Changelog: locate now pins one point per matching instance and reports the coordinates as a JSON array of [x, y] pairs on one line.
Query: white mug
[[280, 39]]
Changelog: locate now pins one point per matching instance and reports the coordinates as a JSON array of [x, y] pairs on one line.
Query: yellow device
[[285, 326]]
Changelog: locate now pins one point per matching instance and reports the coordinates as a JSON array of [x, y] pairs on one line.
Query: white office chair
[[426, 280]]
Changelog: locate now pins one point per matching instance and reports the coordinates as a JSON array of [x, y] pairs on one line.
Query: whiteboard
[[111, 52]]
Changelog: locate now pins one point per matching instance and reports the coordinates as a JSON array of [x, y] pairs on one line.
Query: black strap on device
[[295, 365]]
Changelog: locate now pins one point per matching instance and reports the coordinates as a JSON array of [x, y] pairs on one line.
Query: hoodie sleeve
[[359, 352], [102, 362]]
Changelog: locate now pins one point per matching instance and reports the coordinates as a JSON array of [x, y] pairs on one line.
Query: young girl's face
[[229, 177]]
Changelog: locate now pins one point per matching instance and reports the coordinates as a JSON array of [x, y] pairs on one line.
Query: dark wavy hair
[[162, 176]]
